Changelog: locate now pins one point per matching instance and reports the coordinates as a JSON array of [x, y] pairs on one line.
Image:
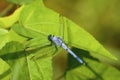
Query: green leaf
[[38, 18], [4, 70], [93, 71], [43, 20], [13, 54], [87, 42], [20, 1], [7, 36], [34, 20], [3, 31], [4, 38], [28, 33], [40, 69], [15, 37], [23, 64], [35, 23], [8, 21]]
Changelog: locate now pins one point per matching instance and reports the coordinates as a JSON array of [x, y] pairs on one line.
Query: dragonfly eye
[[49, 37]]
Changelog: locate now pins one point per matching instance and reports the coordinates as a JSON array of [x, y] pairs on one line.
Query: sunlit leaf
[[13, 54], [91, 70], [49, 22], [15, 37], [7, 36], [4, 38], [4, 70], [87, 42], [22, 64], [20, 1], [31, 25], [28, 33], [8, 21]]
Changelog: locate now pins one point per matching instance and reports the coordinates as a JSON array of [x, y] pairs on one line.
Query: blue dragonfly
[[59, 42], [39, 40]]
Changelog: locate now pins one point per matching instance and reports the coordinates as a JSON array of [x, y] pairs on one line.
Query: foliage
[[26, 54], [20, 1]]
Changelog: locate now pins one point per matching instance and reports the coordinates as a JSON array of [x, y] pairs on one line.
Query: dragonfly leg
[[56, 49]]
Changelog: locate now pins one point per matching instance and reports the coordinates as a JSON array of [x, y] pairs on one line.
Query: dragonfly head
[[49, 37]]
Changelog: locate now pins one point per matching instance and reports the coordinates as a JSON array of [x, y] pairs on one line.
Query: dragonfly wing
[[25, 32], [44, 52], [63, 29], [37, 42]]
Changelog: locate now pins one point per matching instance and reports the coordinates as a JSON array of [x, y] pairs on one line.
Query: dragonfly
[[59, 42], [47, 39]]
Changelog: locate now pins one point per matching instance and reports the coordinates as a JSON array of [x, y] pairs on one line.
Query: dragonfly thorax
[[56, 40]]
